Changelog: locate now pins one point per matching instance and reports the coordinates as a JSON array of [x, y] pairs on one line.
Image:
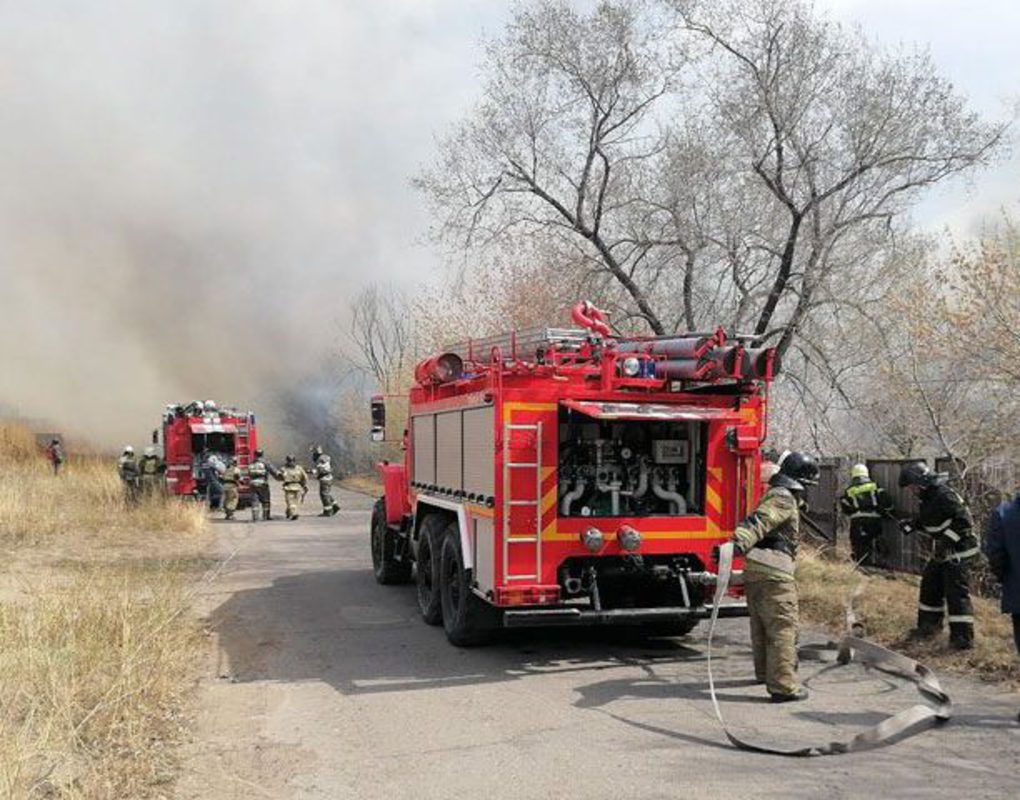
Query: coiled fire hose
[[937, 709]]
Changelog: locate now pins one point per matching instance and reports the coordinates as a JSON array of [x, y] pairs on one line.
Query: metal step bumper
[[542, 617]]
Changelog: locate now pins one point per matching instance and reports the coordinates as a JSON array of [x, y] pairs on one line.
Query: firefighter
[[945, 586], [55, 455], [322, 469], [864, 502], [231, 480], [127, 469], [259, 471], [295, 485], [768, 538], [212, 467], [151, 469]]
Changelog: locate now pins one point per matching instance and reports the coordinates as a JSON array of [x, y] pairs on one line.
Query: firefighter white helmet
[[859, 471], [129, 450], [150, 451], [210, 405]]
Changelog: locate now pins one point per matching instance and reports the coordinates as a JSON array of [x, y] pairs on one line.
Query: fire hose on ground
[[937, 708]]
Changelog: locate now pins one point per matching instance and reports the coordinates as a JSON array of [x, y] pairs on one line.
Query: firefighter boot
[[800, 694]]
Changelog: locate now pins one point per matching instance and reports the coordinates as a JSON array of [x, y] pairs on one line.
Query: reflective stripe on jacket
[[944, 516], [865, 500]]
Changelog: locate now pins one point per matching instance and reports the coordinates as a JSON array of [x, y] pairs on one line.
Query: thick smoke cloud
[[190, 190]]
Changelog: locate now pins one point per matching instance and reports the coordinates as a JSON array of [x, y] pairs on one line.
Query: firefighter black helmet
[[289, 460], [916, 473], [796, 470]]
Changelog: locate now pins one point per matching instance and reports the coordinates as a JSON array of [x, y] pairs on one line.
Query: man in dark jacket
[[945, 586], [1002, 546]]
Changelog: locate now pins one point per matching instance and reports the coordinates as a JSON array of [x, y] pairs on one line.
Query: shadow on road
[[341, 627]]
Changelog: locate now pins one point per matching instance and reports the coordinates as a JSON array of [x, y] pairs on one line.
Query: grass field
[[98, 644]]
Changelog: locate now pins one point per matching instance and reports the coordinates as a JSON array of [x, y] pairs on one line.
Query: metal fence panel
[[896, 551], [822, 499]]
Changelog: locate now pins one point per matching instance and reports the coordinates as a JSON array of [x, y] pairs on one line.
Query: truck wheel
[[467, 619], [427, 574], [387, 570]]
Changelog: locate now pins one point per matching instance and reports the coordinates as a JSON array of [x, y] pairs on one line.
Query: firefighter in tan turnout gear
[[259, 471], [322, 470], [768, 538], [127, 469], [231, 480], [295, 485], [151, 468], [945, 584]]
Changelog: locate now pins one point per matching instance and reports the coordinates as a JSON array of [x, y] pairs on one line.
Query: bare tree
[[381, 332], [556, 147], [740, 161], [840, 135]]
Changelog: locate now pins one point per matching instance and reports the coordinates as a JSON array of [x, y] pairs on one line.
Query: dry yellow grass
[[98, 645], [17, 443], [95, 674], [888, 609], [85, 500]]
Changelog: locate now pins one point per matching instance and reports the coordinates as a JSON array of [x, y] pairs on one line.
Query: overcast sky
[[191, 188]]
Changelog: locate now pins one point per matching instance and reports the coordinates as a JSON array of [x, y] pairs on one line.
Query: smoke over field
[[190, 191]]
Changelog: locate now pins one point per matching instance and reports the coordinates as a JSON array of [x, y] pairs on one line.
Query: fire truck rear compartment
[[630, 468], [219, 443]]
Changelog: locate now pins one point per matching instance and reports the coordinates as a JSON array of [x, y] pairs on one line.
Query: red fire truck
[[567, 476], [191, 433]]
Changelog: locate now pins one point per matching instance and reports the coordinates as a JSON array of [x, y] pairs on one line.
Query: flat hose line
[[936, 710]]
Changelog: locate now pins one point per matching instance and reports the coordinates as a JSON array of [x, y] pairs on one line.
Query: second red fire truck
[[567, 476], [193, 433]]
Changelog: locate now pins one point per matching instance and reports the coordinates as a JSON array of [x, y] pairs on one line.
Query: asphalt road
[[322, 684]]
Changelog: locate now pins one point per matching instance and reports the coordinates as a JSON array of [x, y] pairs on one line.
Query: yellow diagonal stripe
[[713, 499]]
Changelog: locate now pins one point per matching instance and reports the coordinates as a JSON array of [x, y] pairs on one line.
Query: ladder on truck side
[[241, 444], [510, 539]]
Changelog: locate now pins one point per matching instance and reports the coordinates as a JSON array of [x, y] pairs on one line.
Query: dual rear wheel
[[444, 585]]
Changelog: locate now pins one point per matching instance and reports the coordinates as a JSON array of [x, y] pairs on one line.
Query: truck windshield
[[630, 468]]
